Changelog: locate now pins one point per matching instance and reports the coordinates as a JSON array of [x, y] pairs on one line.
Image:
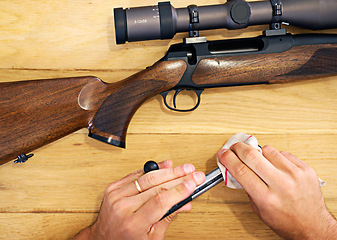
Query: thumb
[[158, 230]]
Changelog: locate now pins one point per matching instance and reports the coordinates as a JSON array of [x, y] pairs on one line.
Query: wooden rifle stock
[[34, 113], [300, 62]]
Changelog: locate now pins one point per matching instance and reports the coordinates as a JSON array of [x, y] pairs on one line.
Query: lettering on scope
[[140, 21]]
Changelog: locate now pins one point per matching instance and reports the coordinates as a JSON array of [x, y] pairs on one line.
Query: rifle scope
[[163, 21]]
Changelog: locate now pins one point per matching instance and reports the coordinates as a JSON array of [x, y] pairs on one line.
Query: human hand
[[128, 214], [284, 191]]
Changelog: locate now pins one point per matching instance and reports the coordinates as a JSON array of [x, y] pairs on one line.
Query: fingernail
[[165, 163], [222, 151], [188, 168], [199, 177]]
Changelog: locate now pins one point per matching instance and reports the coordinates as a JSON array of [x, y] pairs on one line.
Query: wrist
[[327, 229], [331, 228]]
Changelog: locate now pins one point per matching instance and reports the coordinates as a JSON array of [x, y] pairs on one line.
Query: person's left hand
[[127, 213]]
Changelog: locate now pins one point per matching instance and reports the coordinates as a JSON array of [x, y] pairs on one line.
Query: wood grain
[[58, 192], [38, 112], [299, 62], [111, 120]]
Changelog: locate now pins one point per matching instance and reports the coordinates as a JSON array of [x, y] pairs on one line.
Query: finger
[[256, 162], [248, 179], [277, 159], [126, 180], [165, 164], [155, 178], [162, 202], [158, 229], [293, 159], [139, 200], [185, 208], [133, 176]]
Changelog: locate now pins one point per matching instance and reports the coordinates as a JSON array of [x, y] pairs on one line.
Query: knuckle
[[177, 171], [241, 171], [251, 154], [138, 172], [161, 189], [170, 217], [111, 188], [149, 180], [236, 146], [132, 175], [268, 149], [119, 208], [310, 173], [108, 190], [110, 200], [161, 200], [182, 170], [116, 206], [114, 196], [304, 174], [226, 157]]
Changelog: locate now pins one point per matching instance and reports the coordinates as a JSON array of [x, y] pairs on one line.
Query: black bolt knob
[[150, 166]]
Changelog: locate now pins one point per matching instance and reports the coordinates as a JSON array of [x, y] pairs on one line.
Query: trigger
[[175, 97]]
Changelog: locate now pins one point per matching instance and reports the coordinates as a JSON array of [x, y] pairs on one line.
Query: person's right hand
[[284, 191]]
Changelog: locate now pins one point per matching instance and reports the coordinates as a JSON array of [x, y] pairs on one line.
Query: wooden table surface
[[58, 192]]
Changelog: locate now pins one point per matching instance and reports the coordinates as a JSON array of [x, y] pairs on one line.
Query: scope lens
[[145, 23]]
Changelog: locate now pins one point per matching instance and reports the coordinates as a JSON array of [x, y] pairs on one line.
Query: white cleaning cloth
[[250, 140]]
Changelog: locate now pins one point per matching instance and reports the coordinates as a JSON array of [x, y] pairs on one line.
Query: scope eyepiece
[[145, 23], [163, 21], [120, 26]]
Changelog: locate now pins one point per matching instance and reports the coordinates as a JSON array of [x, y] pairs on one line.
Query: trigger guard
[[164, 95], [197, 92]]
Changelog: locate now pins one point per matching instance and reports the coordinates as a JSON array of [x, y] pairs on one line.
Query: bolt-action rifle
[[38, 112]]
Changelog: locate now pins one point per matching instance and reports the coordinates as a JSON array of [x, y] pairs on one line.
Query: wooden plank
[[230, 224], [56, 226], [72, 173], [59, 191]]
